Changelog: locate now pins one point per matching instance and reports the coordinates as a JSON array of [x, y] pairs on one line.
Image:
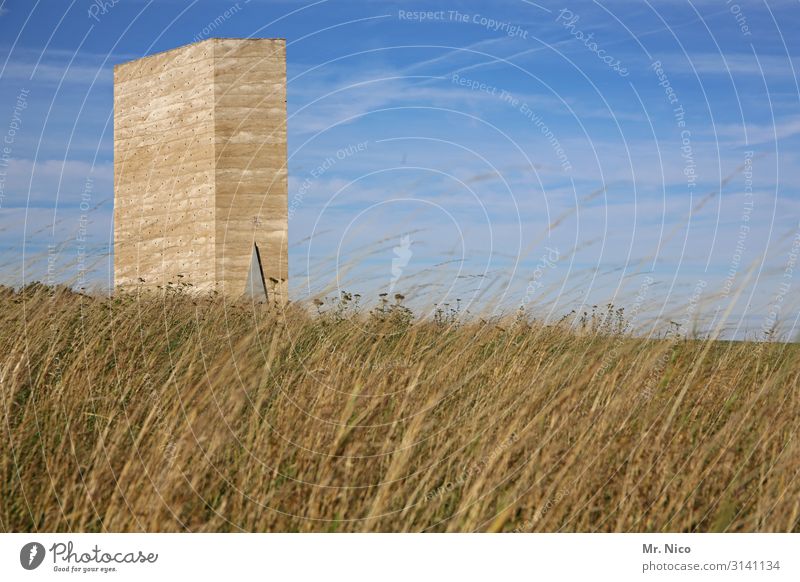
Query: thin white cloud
[[51, 73], [37, 183], [761, 133], [730, 63]]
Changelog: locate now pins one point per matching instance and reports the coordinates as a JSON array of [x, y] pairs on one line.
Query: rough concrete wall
[[164, 223], [200, 166], [251, 174]]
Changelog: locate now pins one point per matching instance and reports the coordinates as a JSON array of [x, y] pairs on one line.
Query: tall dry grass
[[179, 413]]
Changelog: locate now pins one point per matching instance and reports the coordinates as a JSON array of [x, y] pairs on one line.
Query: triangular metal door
[[256, 287]]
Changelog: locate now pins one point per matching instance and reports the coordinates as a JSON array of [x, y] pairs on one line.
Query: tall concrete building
[[200, 189]]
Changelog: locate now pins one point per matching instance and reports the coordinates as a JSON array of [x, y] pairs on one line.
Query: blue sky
[[555, 155]]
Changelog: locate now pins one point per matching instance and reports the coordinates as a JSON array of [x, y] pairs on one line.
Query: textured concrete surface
[[200, 166]]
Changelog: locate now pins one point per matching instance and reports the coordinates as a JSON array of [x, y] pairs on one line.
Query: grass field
[[177, 414]]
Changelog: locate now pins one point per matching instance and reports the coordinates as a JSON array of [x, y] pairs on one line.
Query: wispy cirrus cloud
[[761, 133], [770, 65]]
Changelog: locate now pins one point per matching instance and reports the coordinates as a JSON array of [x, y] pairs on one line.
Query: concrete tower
[[200, 192]]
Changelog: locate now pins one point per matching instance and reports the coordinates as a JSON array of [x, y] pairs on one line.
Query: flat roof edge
[[197, 42]]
